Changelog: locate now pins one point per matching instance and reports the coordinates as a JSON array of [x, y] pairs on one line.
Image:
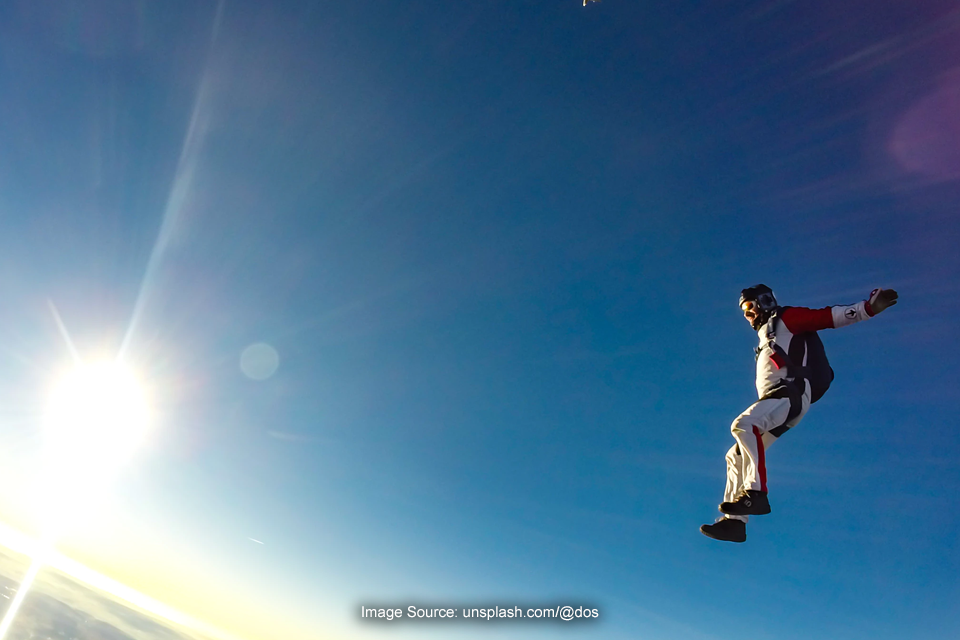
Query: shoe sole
[[744, 513], [713, 537]]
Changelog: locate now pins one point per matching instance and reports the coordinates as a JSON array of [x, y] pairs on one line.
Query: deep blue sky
[[498, 248]]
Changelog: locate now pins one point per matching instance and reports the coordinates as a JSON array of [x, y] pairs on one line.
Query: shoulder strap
[[795, 371], [770, 329]]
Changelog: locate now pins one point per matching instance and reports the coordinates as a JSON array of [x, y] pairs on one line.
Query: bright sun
[[97, 416]]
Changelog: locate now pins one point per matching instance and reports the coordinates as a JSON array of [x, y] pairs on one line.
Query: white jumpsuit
[[760, 425]]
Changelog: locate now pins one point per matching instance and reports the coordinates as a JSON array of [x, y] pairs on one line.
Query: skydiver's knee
[[743, 424], [738, 426], [733, 455]]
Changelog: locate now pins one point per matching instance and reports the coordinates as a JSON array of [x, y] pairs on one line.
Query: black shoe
[[750, 503], [726, 529]]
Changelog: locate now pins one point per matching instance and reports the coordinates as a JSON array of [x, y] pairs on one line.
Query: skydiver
[[792, 373]]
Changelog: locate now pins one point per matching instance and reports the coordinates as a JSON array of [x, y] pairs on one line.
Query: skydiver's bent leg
[[751, 430], [755, 430]]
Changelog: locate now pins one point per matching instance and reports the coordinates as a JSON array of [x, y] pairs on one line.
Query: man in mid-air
[[792, 373]]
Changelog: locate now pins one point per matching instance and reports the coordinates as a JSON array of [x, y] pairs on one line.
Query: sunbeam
[[25, 585], [63, 331], [182, 180]]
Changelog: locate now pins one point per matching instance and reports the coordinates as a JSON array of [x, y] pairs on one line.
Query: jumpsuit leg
[[735, 474], [748, 430], [746, 459]]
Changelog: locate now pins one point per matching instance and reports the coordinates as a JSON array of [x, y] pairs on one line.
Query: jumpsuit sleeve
[[802, 319]]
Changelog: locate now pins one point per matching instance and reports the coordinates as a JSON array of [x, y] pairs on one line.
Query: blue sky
[[498, 248]]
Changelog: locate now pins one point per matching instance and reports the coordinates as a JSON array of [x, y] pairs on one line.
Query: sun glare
[[96, 417]]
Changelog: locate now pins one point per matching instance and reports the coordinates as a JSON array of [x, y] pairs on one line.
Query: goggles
[[764, 302]]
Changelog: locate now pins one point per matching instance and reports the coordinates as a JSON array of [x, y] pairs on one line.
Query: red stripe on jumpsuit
[[761, 461]]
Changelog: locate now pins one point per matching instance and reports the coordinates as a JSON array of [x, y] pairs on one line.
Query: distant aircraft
[[586, 1]]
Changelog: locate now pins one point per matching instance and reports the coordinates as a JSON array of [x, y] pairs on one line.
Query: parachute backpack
[[817, 370]]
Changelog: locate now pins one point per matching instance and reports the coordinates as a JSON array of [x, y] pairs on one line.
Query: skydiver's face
[[751, 312]]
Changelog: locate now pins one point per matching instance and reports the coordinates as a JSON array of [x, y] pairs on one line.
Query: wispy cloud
[[292, 437], [874, 55]]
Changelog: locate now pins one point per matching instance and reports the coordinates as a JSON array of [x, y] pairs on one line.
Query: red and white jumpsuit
[[759, 426]]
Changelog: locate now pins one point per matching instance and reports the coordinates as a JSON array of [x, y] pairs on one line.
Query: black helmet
[[762, 295]]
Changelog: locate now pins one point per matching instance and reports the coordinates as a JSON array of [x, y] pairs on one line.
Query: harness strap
[[790, 391], [790, 387]]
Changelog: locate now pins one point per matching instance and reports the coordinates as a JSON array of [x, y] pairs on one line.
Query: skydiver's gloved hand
[[880, 299]]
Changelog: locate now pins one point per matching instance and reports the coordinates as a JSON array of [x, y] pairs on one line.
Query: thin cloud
[[292, 437]]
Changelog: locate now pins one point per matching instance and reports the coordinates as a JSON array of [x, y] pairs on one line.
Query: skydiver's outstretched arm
[[802, 319]]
